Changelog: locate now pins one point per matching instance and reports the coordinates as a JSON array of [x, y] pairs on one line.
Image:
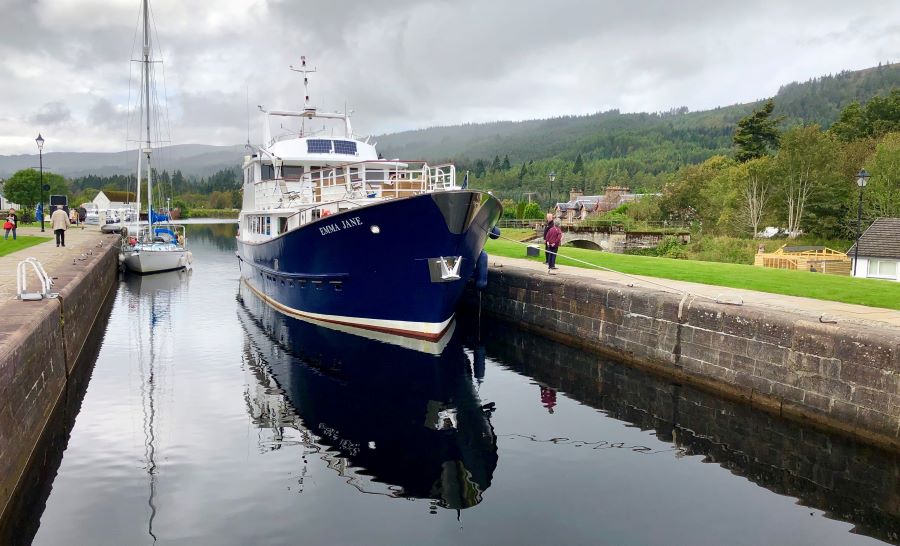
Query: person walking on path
[[12, 223], [547, 227], [59, 221], [553, 240], [73, 217]]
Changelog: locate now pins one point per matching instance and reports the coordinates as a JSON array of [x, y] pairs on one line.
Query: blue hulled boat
[[330, 231]]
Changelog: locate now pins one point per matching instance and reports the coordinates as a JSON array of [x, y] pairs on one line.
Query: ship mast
[[145, 101]]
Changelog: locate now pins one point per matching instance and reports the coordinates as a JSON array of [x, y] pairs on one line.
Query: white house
[[879, 251], [6, 204], [113, 200]]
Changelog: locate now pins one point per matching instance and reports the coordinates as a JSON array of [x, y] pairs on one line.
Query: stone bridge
[[615, 238]]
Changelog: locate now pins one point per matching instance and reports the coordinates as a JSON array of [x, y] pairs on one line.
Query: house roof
[[881, 240], [120, 196]]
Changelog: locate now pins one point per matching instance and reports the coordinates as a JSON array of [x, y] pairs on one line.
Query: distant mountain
[[190, 159], [667, 139], [650, 142]]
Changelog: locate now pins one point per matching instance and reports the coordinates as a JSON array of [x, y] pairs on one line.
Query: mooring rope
[[604, 268]]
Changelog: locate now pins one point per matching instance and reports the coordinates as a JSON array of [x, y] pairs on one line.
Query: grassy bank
[[211, 213], [870, 292], [8, 246]]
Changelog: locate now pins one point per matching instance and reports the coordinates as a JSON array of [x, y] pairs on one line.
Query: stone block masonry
[[39, 345], [843, 377]]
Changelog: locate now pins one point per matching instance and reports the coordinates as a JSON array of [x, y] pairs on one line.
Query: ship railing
[[442, 177], [355, 181], [163, 232]]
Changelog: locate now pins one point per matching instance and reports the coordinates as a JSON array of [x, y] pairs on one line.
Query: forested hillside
[[634, 148]]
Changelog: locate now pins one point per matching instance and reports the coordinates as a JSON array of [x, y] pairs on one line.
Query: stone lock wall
[[39, 344], [845, 377]]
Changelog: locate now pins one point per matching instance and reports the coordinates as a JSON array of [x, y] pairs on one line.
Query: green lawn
[[8, 246], [870, 292]]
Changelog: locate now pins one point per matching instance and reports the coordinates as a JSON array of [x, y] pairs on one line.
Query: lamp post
[[40, 145], [552, 176], [862, 178]]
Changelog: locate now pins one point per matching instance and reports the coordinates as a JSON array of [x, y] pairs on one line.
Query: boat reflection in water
[[396, 416], [149, 302]]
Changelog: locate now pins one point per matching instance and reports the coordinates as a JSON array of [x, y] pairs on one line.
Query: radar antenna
[[303, 69]]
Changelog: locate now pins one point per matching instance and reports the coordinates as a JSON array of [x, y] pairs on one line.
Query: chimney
[[574, 194], [616, 191]]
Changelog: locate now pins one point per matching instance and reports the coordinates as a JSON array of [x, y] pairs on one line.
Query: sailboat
[[159, 246]]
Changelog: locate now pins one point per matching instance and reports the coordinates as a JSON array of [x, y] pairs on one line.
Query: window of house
[[883, 268]]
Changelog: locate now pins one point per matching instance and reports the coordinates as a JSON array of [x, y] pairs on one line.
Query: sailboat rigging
[[159, 246]]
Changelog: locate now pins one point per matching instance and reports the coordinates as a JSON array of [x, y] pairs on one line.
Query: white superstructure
[[301, 176]]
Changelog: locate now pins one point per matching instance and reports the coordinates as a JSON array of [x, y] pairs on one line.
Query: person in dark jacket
[[547, 227], [553, 240]]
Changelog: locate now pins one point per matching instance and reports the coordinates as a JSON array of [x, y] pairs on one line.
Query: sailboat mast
[[146, 91]]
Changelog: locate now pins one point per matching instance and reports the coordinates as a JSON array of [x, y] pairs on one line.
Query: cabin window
[[267, 171], [268, 225], [282, 225], [292, 172], [316, 214], [375, 176]]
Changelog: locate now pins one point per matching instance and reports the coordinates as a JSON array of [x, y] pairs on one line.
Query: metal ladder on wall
[[45, 281]]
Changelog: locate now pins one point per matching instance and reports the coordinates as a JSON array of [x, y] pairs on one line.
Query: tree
[[806, 163], [579, 165], [24, 187], [757, 134], [878, 117], [883, 191], [505, 165], [495, 164], [756, 191], [532, 212], [523, 171], [520, 210]]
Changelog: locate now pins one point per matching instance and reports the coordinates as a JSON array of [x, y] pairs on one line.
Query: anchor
[[448, 272]]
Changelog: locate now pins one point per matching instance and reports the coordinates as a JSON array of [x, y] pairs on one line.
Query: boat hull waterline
[[376, 266], [150, 261]]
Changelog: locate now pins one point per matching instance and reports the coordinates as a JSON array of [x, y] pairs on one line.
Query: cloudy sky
[[403, 64]]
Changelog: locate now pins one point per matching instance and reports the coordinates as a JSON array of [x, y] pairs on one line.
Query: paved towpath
[[55, 260], [808, 308]]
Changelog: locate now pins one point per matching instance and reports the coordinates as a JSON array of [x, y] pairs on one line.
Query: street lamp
[[40, 144], [552, 176], [862, 178]]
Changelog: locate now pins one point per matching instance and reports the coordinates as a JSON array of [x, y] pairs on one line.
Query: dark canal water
[[205, 417]]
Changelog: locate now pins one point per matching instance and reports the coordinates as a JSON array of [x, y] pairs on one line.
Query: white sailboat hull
[[155, 261]]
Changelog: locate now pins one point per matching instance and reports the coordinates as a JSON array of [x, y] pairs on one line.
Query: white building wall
[[102, 201], [863, 269]]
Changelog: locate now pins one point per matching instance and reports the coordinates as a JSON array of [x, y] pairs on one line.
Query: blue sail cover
[[158, 217]]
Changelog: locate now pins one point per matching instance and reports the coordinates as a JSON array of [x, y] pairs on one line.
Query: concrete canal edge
[[842, 377], [39, 345]]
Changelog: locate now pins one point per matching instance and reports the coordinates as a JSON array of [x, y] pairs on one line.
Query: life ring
[[325, 213]]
